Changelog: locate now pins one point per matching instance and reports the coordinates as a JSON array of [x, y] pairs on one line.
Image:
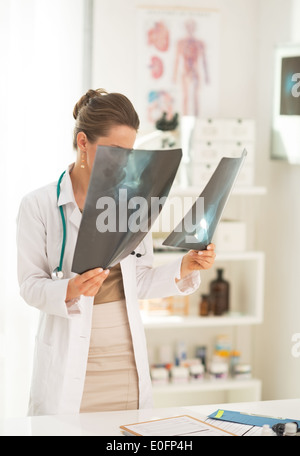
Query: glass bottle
[[219, 294], [204, 305]]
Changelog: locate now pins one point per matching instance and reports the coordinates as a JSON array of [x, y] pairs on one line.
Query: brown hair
[[98, 111]]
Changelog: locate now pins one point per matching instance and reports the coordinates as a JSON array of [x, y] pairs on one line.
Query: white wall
[[115, 58], [279, 369], [249, 31], [41, 47]]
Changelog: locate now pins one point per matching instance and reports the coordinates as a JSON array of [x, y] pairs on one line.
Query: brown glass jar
[[219, 294], [204, 307]]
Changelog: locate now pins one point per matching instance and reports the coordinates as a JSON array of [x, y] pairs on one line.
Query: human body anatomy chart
[[178, 54]]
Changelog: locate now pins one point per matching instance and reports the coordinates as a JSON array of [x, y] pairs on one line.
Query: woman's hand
[[198, 259], [86, 284]]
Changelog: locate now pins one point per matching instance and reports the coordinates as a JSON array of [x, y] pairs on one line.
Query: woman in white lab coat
[[90, 350]]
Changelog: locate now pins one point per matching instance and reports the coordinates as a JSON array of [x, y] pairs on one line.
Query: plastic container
[[180, 352], [234, 361], [218, 370], [179, 374], [222, 346], [197, 372], [159, 375], [242, 371], [201, 354]]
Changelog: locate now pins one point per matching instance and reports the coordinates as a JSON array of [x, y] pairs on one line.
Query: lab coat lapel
[[66, 190], [127, 268], [75, 217]]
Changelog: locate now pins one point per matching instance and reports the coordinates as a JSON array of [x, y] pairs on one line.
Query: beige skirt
[[111, 381]]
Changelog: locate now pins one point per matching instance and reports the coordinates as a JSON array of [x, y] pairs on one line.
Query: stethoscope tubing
[[62, 253]]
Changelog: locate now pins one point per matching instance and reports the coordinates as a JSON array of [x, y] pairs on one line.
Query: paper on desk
[[241, 430], [175, 426]]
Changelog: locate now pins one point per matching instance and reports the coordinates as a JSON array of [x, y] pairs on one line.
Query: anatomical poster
[[178, 63]]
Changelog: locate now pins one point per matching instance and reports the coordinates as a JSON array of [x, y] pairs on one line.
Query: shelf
[[206, 385], [247, 292], [246, 255], [175, 321], [195, 191], [245, 272]]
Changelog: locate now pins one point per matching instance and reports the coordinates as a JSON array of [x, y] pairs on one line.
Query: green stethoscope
[[58, 273]]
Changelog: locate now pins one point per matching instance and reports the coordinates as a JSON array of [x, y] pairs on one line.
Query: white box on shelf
[[209, 130], [159, 376], [207, 151], [179, 374], [239, 130], [230, 236], [246, 176], [235, 149], [201, 173], [197, 372]]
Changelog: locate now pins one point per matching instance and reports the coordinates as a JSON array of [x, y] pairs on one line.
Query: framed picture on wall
[[286, 109]]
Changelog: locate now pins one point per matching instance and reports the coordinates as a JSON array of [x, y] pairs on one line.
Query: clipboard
[[182, 425], [196, 230]]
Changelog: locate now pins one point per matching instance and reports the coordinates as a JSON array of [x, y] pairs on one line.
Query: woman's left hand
[[196, 260]]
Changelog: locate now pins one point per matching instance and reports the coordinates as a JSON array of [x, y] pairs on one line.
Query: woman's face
[[119, 136]]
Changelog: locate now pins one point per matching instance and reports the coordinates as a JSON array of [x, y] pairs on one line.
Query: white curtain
[[41, 78]]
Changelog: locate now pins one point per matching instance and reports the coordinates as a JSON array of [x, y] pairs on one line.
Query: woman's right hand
[[86, 284]]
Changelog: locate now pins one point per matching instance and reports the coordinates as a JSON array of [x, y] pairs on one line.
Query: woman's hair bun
[[85, 99], [98, 111]]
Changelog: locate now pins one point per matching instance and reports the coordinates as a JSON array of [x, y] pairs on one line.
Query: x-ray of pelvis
[[196, 230], [127, 190]]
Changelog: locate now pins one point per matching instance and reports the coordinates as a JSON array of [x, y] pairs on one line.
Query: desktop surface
[[108, 423]]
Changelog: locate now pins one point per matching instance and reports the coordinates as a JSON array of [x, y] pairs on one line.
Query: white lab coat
[[62, 340]]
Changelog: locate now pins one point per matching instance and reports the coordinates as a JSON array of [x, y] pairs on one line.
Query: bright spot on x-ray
[[201, 232], [203, 224]]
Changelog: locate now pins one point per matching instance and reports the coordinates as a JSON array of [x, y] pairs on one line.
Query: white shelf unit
[[246, 292], [246, 298], [207, 391], [245, 272]]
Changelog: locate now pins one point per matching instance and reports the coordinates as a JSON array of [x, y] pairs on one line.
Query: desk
[[107, 423]]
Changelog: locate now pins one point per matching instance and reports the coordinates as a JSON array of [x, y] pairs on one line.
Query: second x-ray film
[[127, 190], [197, 228]]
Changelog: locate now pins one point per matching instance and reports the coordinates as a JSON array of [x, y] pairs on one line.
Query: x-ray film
[[127, 190], [196, 230]]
